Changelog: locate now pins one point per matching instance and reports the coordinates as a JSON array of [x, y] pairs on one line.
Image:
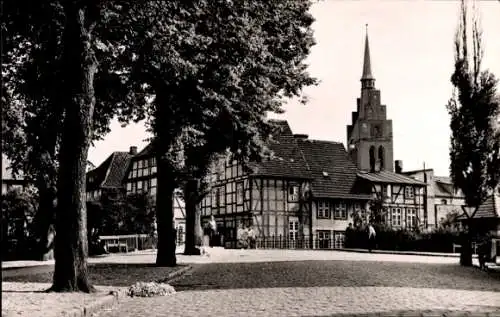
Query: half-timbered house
[[141, 177], [335, 191], [402, 196], [270, 195]]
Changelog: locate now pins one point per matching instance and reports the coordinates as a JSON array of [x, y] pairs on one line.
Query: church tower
[[369, 137]]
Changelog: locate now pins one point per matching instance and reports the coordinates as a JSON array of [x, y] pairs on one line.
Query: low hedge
[[405, 240]]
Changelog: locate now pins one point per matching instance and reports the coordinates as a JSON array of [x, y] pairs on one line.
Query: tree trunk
[[44, 221], [71, 245], [191, 192], [165, 214], [466, 249]]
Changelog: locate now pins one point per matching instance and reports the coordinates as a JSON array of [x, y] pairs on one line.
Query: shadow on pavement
[[336, 274], [103, 274]]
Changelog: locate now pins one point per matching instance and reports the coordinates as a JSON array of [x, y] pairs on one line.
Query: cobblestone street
[[322, 288]]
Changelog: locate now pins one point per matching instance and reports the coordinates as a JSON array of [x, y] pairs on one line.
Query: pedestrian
[[206, 239], [251, 237], [213, 230], [242, 236], [349, 231], [372, 235]]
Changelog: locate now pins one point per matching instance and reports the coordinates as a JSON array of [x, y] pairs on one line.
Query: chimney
[[398, 166], [301, 136], [133, 150]]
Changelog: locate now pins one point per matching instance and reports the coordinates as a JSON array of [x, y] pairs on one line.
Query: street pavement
[[281, 283]]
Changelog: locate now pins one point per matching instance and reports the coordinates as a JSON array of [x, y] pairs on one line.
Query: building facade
[[108, 177], [442, 197], [270, 195], [140, 177], [336, 191]]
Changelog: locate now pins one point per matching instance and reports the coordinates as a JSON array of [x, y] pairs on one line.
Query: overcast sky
[[411, 46]]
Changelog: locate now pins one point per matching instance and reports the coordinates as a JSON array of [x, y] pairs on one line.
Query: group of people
[[246, 237], [371, 236]]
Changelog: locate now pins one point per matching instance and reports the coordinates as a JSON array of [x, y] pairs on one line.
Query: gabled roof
[[387, 177], [110, 173], [147, 151], [489, 209], [288, 161], [334, 174]]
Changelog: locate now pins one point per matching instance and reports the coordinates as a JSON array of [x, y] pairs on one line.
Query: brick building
[[370, 146]]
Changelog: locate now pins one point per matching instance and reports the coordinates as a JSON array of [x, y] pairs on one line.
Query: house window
[[409, 192], [293, 229], [153, 182], [340, 211], [372, 158], [411, 217], [129, 187], [338, 239], [324, 237], [443, 201], [293, 193], [140, 170], [139, 186], [396, 216], [215, 197], [153, 165], [222, 194], [323, 209], [240, 194]]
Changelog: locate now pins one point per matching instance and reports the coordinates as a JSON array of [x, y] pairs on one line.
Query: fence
[[129, 242], [283, 242]]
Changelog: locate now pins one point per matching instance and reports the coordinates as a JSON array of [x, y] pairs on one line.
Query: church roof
[[367, 67]]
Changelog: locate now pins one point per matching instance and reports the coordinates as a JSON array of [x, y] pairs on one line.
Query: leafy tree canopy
[[474, 110]]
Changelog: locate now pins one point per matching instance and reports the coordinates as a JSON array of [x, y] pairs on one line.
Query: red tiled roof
[[334, 174], [389, 178], [288, 161]]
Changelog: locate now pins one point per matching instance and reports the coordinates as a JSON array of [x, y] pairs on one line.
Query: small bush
[[143, 289], [406, 240]]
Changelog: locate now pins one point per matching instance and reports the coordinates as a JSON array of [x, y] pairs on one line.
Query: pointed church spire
[[367, 79]]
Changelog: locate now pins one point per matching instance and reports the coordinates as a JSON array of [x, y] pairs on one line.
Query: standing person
[[206, 238], [251, 237], [213, 230], [371, 237], [349, 231]]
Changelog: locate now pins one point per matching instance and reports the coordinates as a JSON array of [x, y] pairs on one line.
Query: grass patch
[[108, 274]]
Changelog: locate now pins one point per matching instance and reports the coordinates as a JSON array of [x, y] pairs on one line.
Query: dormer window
[[293, 193]]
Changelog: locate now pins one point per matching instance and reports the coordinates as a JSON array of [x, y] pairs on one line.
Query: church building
[[370, 146]]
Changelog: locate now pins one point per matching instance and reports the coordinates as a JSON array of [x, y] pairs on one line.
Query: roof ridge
[[108, 169], [324, 141]]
